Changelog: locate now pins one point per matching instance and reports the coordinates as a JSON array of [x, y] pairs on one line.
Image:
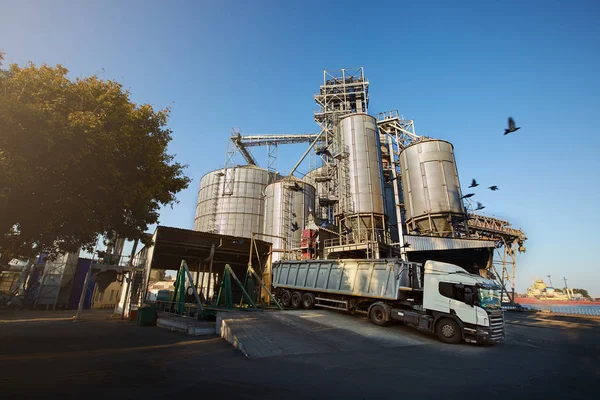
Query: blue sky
[[459, 69]]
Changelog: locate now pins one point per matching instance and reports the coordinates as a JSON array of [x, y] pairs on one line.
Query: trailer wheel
[[448, 331], [296, 300], [378, 315], [308, 301], [286, 298]]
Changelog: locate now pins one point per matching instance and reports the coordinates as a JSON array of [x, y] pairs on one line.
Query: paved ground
[[42, 356]]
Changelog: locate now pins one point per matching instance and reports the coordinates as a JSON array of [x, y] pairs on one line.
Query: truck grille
[[497, 325]]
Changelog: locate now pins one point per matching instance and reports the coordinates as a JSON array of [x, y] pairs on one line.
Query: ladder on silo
[[287, 216], [348, 197], [212, 222]]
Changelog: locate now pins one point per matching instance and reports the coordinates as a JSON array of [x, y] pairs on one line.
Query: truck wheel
[[286, 298], [448, 331], [296, 300], [308, 301], [378, 315]]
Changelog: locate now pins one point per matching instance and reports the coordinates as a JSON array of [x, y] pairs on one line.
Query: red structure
[[309, 244]]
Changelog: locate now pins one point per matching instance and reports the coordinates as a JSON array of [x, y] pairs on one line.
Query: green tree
[[78, 158], [582, 292]]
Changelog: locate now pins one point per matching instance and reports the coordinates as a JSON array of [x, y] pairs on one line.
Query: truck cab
[[456, 299]]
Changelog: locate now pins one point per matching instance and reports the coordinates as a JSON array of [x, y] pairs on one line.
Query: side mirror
[[469, 299]]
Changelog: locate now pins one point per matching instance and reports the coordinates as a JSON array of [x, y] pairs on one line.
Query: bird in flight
[[466, 196], [346, 229], [473, 183], [480, 206], [323, 151], [294, 227], [493, 188], [405, 246], [511, 126], [296, 187]]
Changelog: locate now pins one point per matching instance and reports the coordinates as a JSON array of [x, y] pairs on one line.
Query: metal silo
[[231, 202], [362, 210], [361, 172], [432, 194], [288, 203]]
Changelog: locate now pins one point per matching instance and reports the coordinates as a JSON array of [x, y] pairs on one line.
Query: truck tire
[[296, 300], [308, 301], [378, 315], [285, 299], [448, 331]]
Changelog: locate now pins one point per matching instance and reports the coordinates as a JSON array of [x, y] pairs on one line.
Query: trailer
[[441, 298]]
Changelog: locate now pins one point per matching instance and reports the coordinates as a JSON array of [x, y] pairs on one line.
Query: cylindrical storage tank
[[288, 203], [231, 202], [360, 169], [432, 194]]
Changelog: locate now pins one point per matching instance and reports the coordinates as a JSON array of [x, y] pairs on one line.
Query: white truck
[[443, 298]]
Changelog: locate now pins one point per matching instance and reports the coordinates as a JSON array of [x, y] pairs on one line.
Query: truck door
[[455, 294]]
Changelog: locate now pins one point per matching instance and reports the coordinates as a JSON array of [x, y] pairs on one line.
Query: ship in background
[[540, 293]]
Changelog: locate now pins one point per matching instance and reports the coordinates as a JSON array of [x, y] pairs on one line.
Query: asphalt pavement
[[46, 355]]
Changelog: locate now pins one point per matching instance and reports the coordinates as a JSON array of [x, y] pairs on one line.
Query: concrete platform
[[281, 333], [186, 326]]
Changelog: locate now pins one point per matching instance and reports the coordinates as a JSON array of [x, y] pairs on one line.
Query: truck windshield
[[489, 298]]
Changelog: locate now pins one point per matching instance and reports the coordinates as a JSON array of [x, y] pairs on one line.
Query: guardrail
[[185, 310], [358, 236], [593, 310]]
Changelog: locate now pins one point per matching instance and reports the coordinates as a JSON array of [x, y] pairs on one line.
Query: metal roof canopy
[[431, 243], [470, 254], [171, 245]]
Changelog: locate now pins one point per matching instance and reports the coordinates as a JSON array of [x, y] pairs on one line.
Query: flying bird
[[466, 196], [474, 183], [323, 151], [294, 227], [346, 229], [294, 214], [511, 126], [388, 180], [480, 206], [405, 246], [296, 187], [493, 188]]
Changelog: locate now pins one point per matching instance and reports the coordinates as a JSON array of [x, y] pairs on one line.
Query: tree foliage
[[582, 292], [78, 158]]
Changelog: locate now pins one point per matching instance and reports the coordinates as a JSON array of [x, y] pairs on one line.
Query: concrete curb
[[182, 327]]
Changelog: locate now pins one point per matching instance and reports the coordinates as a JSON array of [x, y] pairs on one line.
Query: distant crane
[[569, 291], [550, 280]]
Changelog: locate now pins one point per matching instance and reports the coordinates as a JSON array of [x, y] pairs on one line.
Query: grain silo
[[431, 188], [360, 174], [288, 203], [231, 201]]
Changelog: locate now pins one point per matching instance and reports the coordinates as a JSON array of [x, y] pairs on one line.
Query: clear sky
[[458, 68]]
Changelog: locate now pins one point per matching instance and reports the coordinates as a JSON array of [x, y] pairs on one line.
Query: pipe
[[306, 152]]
